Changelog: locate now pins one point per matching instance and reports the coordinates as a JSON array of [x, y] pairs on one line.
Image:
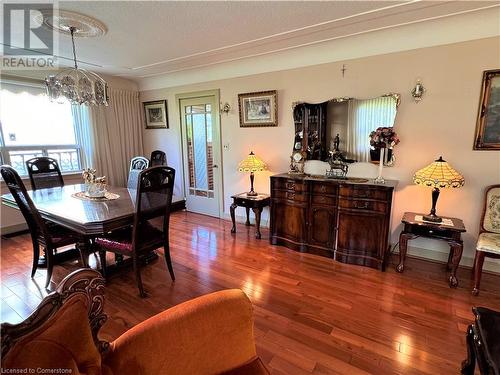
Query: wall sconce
[[418, 91], [225, 108]]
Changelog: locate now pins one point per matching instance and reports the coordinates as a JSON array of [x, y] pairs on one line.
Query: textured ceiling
[[147, 38]]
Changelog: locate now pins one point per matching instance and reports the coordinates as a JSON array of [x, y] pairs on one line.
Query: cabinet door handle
[[360, 205], [290, 185], [290, 196], [323, 189]]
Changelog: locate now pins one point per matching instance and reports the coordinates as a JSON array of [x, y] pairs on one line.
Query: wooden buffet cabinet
[[348, 220]]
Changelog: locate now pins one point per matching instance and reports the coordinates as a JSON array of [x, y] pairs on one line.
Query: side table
[[452, 234], [256, 203]]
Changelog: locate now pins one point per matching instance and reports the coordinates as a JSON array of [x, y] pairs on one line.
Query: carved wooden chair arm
[[84, 282]]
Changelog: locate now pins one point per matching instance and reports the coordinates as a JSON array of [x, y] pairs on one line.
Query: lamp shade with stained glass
[[252, 163], [438, 175]]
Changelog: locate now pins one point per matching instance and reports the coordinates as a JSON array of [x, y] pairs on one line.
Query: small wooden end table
[[452, 234], [256, 203]]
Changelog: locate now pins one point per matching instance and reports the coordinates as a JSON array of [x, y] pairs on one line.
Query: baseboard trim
[[14, 230], [242, 220], [178, 205], [490, 266]]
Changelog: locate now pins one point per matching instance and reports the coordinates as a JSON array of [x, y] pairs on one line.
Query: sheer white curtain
[[364, 117], [83, 134]]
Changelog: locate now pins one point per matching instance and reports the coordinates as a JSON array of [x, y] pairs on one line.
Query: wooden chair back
[[137, 164], [158, 157], [44, 173], [491, 207], [154, 199], [16, 187]]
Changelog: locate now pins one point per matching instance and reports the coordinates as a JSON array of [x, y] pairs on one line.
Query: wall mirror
[[343, 125]]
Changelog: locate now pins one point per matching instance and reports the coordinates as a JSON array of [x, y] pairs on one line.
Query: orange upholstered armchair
[[212, 334]]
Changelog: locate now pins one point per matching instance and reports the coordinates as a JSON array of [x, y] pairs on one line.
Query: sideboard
[[348, 220]]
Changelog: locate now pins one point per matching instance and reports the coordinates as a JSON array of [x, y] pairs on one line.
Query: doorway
[[202, 154]]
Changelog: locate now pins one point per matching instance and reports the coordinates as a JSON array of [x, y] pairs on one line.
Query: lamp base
[[252, 194], [433, 218]]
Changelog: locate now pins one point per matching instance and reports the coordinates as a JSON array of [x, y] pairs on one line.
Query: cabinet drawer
[[289, 184], [290, 195], [361, 204], [425, 231], [363, 192], [322, 199], [330, 189]]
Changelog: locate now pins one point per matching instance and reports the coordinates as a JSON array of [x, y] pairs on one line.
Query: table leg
[[84, 247], [247, 223], [257, 212], [448, 264], [403, 247], [457, 249], [233, 218]]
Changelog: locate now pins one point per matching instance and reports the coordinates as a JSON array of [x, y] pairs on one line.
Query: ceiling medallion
[[77, 85], [85, 26]]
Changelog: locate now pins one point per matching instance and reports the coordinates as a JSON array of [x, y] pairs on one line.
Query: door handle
[[215, 166]]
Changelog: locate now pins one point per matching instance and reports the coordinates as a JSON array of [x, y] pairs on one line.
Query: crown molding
[[449, 29]]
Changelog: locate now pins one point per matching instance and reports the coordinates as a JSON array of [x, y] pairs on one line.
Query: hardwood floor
[[312, 315]]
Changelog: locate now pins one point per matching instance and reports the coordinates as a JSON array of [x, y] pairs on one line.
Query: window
[[31, 126]]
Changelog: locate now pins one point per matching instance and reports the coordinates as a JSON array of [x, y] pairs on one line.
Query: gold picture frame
[[156, 114], [487, 136], [258, 109]]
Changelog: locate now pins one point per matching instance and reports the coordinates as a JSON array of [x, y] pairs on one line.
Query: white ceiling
[[150, 38]]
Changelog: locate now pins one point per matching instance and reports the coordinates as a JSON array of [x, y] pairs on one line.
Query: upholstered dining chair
[[44, 173], [50, 237], [488, 243], [158, 158], [153, 199], [137, 164]]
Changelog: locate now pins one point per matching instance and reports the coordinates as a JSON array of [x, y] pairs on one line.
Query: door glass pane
[[210, 151], [190, 150], [198, 108], [200, 150], [199, 136]]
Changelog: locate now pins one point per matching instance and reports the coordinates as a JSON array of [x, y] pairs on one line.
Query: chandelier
[[77, 85]]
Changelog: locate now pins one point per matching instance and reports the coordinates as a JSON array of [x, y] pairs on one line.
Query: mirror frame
[[396, 96]]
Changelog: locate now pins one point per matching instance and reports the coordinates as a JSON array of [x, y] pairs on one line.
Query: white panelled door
[[202, 154]]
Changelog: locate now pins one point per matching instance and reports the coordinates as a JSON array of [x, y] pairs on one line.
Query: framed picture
[[258, 109], [156, 114], [488, 118]]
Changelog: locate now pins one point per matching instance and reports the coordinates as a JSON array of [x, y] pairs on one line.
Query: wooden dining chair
[[137, 165], [488, 243], [50, 237], [44, 172], [153, 199], [158, 158]]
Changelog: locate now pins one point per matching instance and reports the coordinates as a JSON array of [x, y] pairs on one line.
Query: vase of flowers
[[383, 139]]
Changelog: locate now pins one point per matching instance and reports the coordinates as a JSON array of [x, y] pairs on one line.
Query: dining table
[[68, 207]]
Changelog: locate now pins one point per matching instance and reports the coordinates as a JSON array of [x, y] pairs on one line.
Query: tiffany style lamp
[[252, 163], [438, 175]]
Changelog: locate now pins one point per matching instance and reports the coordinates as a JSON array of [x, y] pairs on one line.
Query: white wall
[[442, 124]]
